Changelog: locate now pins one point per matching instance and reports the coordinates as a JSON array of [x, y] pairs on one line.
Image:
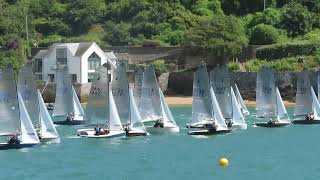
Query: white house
[[82, 60]]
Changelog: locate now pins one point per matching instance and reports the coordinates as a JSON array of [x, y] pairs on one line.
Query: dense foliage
[[223, 26]]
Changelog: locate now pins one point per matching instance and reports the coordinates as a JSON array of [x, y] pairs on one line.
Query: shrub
[[232, 66], [263, 34]]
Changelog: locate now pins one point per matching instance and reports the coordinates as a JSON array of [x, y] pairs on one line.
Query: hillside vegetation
[[223, 26]]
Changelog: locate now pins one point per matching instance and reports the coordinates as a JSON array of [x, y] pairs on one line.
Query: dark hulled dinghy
[[307, 107], [269, 102], [14, 117], [66, 103]]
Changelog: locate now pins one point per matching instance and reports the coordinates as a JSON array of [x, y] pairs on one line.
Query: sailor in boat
[[14, 139], [211, 127], [309, 117], [100, 131], [70, 117], [229, 123], [159, 123]]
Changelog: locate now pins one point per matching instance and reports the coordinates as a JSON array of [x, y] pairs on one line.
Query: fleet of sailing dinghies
[[14, 117], [154, 110], [66, 103], [307, 108], [269, 102], [101, 109]]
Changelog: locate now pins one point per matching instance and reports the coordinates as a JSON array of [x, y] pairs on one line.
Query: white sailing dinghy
[[307, 107], [14, 117], [241, 103], [269, 103], [65, 104], [127, 109], [101, 109], [48, 132], [27, 88], [154, 110], [238, 120]]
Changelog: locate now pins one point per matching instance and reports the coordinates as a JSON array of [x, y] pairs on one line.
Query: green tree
[[296, 19], [263, 34], [224, 35]]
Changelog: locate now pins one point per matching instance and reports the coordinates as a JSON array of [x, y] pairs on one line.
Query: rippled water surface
[[256, 153]]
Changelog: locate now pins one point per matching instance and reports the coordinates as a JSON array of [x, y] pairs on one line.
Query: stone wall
[[180, 83]]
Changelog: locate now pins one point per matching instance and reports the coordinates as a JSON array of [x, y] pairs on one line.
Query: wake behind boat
[[269, 102]]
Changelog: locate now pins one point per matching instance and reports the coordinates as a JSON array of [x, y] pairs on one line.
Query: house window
[[61, 55], [90, 77], [73, 78], [94, 61], [51, 77], [37, 65]]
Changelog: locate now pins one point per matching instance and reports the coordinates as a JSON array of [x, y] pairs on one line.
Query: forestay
[[266, 102], [282, 112], [150, 107], [27, 88], [28, 133], [97, 106], [201, 98], [120, 92], [138, 87], [303, 104], [218, 117], [47, 128], [220, 82], [64, 101], [77, 108], [167, 115], [9, 109], [237, 117], [135, 118]]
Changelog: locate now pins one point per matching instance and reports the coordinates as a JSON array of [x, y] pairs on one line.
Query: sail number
[[266, 89], [198, 93], [117, 91], [4, 98], [96, 91], [219, 90], [148, 92]]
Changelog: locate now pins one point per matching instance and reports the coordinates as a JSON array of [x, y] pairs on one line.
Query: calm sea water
[[255, 153]]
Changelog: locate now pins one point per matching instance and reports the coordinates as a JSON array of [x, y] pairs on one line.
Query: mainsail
[[220, 82], [237, 117], [266, 102], [114, 118], [120, 92], [28, 133], [150, 107], [64, 101], [27, 88], [138, 87], [201, 98], [9, 108], [135, 118], [167, 115], [303, 97], [218, 117], [282, 112], [47, 128], [98, 99]]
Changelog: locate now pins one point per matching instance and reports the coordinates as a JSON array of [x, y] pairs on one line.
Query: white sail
[[237, 117], [47, 128], [220, 82], [135, 118], [138, 87], [96, 110], [282, 112], [120, 92], [315, 104], [318, 82], [77, 108], [303, 97], [114, 118], [28, 133], [27, 88], [218, 117], [167, 115], [9, 108], [201, 98], [266, 101], [150, 107], [242, 105], [63, 102]]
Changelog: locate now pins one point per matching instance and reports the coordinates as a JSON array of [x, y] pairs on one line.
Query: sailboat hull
[[271, 125], [160, 130], [6, 146], [73, 122], [201, 124], [49, 139], [207, 132], [90, 133], [306, 122], [136, 133]]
